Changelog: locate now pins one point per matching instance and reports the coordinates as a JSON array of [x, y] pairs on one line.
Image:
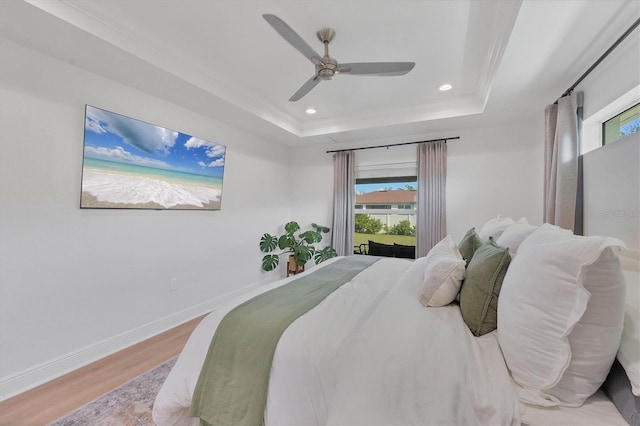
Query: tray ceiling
[[221, 57]]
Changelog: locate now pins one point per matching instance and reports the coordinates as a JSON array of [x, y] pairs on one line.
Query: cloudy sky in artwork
[[114, 137]]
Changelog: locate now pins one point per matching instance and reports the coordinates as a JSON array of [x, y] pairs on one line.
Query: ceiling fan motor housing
[[328, 69]]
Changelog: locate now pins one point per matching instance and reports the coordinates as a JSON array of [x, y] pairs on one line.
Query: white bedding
[[301, 373], [414, 365], [598, 410], [369, 353]]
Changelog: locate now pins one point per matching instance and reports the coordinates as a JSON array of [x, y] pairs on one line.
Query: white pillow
[[560, 315], [444, 272], [629, 352], [494, 228], [514, 235], [413, 277]]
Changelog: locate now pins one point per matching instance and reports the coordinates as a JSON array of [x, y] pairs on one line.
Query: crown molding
[[90, 19]]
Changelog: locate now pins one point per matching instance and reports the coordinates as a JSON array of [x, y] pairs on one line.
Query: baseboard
[[25, 380]]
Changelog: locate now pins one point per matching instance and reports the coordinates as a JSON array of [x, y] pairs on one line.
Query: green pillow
[[481, 288], [469, 244]]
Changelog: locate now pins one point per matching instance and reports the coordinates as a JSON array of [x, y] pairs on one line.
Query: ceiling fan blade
[[306, 88], [292, 37], [377, 68]]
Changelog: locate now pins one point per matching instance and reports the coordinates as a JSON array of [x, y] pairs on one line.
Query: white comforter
[[368, 354]]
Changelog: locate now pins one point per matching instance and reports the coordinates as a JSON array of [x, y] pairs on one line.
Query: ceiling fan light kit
[[326, 66]]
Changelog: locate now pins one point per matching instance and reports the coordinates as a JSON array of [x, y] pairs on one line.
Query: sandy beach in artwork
[[122, 189]]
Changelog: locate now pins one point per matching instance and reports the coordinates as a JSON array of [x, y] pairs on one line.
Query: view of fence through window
[[385, 211]]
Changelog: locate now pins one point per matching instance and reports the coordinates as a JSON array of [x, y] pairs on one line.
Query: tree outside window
[[386, 211]]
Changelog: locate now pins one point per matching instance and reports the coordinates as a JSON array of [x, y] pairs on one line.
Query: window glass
[[385, 211], [624, 124]]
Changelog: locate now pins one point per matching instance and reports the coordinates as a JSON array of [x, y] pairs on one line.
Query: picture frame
[[132, 164]]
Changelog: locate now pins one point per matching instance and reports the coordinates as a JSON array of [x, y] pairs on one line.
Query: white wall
[[490, 171], [495, 170], [77, 284], [613, 77], [612, 197]]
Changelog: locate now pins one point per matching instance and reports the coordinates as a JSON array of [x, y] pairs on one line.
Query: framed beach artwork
[[130, 164]]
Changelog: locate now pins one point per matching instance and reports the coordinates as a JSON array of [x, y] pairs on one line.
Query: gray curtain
[[562, 181], [343, 201], [432, 203]]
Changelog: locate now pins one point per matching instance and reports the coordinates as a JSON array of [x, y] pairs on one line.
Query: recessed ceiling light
[[445, 87], [310, 111]]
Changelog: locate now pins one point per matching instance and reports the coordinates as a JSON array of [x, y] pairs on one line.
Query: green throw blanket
[[233, 384]]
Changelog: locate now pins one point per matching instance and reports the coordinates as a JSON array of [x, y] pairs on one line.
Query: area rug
[[128, 405]]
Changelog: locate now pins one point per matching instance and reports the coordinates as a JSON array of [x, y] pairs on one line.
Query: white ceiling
[[505, 58]]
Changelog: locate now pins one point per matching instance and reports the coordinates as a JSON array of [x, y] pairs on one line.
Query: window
[[386, 210], [593, 127], [624, 124]]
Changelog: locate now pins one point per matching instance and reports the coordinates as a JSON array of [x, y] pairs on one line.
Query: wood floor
[[52, 400]]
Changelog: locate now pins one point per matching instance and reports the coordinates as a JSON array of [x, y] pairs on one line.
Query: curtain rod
[[604, 55], [395, 144]]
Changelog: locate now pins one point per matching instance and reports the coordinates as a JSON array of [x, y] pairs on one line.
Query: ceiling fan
[[326, 66]]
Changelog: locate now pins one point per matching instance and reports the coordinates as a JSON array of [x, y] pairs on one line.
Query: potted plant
[[299, 245]]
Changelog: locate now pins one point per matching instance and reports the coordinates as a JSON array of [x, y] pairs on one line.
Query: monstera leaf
[[301, 254], [286, 241], [322, 229], [324, 254], [268, 243], [291, 227], [311, 237], [270, 261]]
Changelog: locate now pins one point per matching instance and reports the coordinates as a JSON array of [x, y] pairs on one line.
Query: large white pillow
[[443, 274], [494, 228], [514, 235], [560, 315]]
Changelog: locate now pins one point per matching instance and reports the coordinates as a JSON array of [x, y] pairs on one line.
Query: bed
[[407, 342], [427, 365]]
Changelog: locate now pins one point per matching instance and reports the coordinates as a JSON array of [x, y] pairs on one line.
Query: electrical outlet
[[173, 284]]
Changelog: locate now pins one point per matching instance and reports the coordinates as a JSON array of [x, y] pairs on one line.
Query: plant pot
[[293, 268]]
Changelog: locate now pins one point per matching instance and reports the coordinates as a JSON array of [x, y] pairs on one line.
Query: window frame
[[592, 126], [604, 123]]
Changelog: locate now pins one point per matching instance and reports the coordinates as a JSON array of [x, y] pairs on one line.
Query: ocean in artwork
[[110, 184], [132, 164]]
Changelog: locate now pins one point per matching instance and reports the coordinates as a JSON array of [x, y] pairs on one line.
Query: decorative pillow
[[560, 316], [469, 244], [379, 249], [481, 288], [495, 227], [405, 252], [514, 235], [629, 351], [444, 272]]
